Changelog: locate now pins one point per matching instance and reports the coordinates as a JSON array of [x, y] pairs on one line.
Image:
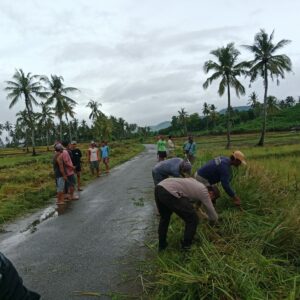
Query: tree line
[[213, 122], [53, 99]]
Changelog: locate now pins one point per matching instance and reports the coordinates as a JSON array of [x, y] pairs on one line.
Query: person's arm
[[98, 155], [209, 208], [227, 188], [67, 159]]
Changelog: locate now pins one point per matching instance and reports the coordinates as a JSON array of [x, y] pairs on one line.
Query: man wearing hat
[[219, 170], [174, 167], [178, 195]]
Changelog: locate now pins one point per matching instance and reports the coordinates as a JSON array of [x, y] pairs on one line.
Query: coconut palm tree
[[227, 70], [267, 64], [213, 115], [96, 112], [45, 120], [23, 126], [255, 104], [26, 87], [69, 112], [206, 111], [182, 119], [272, 108], [63, 104]]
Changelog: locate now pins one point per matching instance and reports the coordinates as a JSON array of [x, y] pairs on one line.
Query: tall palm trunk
[[228, 116], [33, 140], [60, 128], [264, 123], [47, 139], [70, 131], [29, 111]]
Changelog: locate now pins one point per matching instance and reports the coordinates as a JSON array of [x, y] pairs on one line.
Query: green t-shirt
[[161, 145]]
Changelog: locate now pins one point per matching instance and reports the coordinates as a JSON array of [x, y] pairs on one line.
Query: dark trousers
[[11, 284], [167, 204]]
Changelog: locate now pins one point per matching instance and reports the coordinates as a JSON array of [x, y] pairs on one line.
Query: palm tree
[[23, 126], [45, 119], [7, 127], [272, 108], [75, 125], [94, 106], [69, 111], [227, 70], [26, 87], [206, 111], [213, 114], [265, 64], [63, 104], [182, 119], [254, 103]]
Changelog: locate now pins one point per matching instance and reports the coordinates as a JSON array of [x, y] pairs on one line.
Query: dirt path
[[94, 245]]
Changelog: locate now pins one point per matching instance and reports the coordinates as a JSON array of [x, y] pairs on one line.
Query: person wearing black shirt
[[76, 159]]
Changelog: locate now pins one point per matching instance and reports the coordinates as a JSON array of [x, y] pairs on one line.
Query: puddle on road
[[17, 232], [47, 213]]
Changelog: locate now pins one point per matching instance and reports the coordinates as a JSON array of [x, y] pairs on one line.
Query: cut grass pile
[[27, 182], [254, 254]]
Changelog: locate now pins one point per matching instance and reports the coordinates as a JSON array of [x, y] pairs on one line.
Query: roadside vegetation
[[27, 182], [253, 254]]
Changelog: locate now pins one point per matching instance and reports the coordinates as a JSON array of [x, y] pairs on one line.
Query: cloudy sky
[[143, 60]]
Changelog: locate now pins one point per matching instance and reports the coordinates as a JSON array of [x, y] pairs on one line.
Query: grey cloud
[[176, 82]]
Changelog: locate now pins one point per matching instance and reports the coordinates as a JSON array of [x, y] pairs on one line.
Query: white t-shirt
[[93, 154]]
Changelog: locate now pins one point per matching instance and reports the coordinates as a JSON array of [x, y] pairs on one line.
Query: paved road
[[93, 246]]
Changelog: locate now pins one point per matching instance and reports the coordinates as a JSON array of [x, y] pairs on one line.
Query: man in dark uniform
[[76, 159]]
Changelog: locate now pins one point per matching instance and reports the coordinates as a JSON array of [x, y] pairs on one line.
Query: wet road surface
[[95, 244]]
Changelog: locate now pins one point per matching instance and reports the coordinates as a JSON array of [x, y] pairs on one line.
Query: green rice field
[[250, 254]]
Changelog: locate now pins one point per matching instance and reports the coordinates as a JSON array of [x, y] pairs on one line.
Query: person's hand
[[212, 223], [237, 202], [65, 178]]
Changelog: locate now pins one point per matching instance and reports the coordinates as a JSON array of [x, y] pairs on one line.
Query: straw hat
[[240, 156]]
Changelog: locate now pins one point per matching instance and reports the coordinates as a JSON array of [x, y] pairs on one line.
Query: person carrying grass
[[177, 195], [219, 170], [174, 167]]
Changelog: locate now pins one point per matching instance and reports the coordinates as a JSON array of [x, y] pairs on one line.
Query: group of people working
[[176, 191], [67, 164]]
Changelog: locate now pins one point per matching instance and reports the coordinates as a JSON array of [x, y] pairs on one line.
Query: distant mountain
[[239, 108], [160, 126]]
